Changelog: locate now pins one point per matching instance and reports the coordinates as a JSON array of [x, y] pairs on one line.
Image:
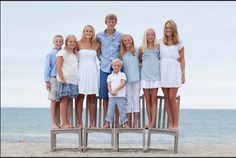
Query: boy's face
[[110, 24], [116, 67], [58, 42]]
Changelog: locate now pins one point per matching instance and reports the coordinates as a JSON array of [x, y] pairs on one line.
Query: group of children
[[71, 72]]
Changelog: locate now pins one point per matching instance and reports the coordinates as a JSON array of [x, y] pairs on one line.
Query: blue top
[[150, 70], [50, 65], [131, 66], [110, 47]]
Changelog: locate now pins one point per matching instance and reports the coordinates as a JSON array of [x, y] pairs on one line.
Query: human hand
[[48, 86]]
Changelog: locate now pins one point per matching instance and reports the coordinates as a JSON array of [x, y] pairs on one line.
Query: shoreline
[[26, 149]]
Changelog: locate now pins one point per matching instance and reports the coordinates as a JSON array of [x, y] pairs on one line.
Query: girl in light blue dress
[[150, 73]]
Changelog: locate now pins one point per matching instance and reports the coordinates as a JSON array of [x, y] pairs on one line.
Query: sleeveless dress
[[170, 66], [88, 72]]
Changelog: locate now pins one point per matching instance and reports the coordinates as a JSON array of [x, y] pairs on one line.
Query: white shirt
[[69, 67], [115, 80]]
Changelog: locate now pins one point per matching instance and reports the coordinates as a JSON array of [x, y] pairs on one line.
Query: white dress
[[88, 71], [170, 65]]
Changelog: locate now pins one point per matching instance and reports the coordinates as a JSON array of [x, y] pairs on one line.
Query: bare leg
[[105, 107], [147, 96], [80, 100], [168, 108], [54, 114], [173, 106], [153, 106], [129, 119], [136, 116], [69, 111], [58, 118], [92, 108], [63, 109]]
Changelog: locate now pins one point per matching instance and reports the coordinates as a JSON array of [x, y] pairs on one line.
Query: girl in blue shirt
[[131, 67]]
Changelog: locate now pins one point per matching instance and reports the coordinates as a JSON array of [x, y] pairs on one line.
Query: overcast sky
[[207, 29]]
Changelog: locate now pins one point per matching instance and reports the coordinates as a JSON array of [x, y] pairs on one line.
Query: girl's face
[[88, 32], [58, 42], [116, 67], [110, 24], [71, 43], [150, 35], [168, 30], [127, 41]]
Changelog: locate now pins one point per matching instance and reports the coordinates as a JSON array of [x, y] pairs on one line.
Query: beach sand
[[26, 149]]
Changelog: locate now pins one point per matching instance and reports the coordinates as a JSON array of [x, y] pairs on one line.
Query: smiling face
[[111, 23], [168, 29], [58, 42], [150, 35], [127, 41], [116, 66], [88, 32], [71, 42]]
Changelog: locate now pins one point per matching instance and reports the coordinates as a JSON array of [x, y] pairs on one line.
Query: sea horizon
[[196, 126]]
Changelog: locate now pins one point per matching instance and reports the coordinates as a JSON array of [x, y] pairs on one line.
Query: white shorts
[[150, 84]]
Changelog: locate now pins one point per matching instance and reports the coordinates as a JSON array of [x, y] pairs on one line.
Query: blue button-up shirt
[[110, 47], [50, 65]]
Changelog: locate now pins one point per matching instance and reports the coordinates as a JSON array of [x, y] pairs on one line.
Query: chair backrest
[[161, 117]]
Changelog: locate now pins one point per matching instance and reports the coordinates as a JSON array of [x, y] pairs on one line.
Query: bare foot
[[67, 126], [106, 125], [55, 127], [136, 126]]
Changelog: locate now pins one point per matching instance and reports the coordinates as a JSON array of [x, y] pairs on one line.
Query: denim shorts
[[103, 91]]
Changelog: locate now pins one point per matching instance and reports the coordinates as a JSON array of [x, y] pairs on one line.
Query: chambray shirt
[[110, 47], [50, 65], [131, 67]]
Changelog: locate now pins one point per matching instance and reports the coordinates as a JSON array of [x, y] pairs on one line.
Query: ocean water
[[196, 126]]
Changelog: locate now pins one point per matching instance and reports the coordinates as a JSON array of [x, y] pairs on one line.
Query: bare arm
[[140, 54], [182, 65], [98, 48], [59, 69]]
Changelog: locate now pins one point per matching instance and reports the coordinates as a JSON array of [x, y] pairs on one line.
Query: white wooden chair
[[162, 123]]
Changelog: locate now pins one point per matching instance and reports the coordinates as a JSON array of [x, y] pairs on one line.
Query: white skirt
[[150, 84]]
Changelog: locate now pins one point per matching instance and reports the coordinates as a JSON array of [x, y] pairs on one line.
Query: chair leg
[[85, 140], [53, 141], [144, 141], [148, 139], [176, 143]]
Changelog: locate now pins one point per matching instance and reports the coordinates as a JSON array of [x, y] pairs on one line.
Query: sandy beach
[[25, 149]]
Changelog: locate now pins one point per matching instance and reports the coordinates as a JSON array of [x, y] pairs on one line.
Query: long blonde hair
[[144, 44], [175, 35], [66, 40], [93, 39], [123, 48]]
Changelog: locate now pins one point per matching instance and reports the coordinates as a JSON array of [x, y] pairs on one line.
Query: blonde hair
[[144, 44], [110, 17], [60, 36], [175, 35], [123, 48], [93, 40], [66, 40], [117, 60]]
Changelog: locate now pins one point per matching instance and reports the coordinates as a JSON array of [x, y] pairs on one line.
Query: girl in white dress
[[150, 73], [87, 53], [172, 69]]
